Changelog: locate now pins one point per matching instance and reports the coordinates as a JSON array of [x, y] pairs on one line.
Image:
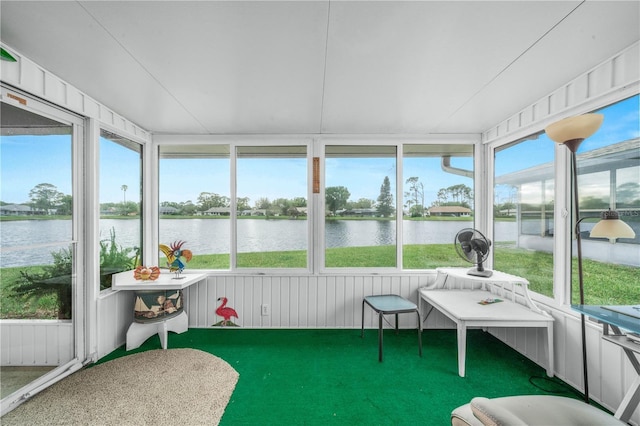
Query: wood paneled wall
[[36, 343]]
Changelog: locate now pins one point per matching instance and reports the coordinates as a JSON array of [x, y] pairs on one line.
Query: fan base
[[485, 273]]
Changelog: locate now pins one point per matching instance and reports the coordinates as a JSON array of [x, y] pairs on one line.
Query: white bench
[[457, 295]]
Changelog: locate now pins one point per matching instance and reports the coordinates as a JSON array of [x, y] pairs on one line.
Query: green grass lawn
[[12, 306], [604, 283]]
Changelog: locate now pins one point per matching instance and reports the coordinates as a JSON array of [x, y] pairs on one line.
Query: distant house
[[218, 211], [456, 211], [110, 211], [360, 212], [167, 210], [253, 212], [302, 211], [17, 210]]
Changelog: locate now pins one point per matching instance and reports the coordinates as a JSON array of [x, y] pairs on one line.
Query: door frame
[[80, 295]]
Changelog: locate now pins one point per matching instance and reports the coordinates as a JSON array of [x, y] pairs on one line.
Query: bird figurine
[[225, 312], [175, 253]]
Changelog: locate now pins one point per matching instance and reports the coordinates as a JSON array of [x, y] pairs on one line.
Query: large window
[[247, 206], [360, 206], [120, 205], [609, 177], [437, 201], [195, 203], [37, 216], [272, 230], [523, 211], [262, 224]]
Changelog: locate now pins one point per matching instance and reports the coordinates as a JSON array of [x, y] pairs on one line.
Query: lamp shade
[[578, 127], [611, 227]]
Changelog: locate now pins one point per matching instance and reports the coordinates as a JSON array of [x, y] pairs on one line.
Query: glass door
[[39, 233]]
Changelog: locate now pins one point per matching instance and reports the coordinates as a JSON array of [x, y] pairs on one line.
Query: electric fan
[[473, 247]]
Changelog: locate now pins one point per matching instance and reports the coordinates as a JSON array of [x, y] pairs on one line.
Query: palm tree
[[124, 198]]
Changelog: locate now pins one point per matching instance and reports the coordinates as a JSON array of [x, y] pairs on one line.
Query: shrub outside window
[[120, 205]]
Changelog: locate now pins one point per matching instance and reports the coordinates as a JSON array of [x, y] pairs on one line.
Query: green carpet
[[314, 377]]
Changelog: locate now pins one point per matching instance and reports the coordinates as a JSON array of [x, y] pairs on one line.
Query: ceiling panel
[[406, 68], [236, 67], [63, 38], [308, 67], [583, 40]]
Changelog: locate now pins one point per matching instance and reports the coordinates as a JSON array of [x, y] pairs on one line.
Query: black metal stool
[[390, 304]]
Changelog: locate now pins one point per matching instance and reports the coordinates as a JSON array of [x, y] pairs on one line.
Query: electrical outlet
[[265, 309]]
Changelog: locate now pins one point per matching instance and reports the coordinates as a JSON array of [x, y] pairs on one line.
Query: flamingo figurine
[[225, 312]]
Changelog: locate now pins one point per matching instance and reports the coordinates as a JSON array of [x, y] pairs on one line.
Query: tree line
[[46, 199]]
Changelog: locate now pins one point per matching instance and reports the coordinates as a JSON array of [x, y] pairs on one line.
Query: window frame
[[294, 141], [564, 232], [315, 201], [399, 143], [80, 238], [94, 155], [321, 246], [233, 143]]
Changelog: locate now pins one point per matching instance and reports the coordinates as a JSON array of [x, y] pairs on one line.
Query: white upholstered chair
[[530, 410]]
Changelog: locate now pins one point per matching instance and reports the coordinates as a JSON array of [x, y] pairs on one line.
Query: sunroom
[[310, 154]]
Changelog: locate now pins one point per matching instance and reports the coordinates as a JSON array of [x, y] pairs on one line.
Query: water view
[[31, 242]]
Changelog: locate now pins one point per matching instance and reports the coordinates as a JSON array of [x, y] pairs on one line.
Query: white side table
[[138, 333], [457, 295]]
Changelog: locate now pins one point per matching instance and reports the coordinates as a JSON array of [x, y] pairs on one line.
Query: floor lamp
[[611, 227], [571, 132]]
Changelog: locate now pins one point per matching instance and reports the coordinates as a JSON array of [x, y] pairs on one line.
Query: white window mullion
[[399, 205], [150, 205], [89, 198], [562, 220], [233, 233]]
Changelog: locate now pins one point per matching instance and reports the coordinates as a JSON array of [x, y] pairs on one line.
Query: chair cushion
[[463, 416], [540, 410], [491, 413]]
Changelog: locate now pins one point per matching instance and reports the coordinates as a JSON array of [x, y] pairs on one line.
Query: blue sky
[[27, 161], [621, 123], [287, 178]]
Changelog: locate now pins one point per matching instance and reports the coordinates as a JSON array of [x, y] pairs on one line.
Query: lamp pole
[[571, 132], [573, 147]]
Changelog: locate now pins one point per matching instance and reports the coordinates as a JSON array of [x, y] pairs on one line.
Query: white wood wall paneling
[[615, 78], [36, 343], [26, 75], [333, 301], [115, 314]]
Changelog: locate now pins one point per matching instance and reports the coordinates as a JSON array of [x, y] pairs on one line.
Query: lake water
[[31, 242]]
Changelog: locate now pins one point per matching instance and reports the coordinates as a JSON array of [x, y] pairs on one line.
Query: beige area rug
[[174, 386]]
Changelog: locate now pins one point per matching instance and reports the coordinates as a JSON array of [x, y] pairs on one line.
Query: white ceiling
[[308, 67]]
